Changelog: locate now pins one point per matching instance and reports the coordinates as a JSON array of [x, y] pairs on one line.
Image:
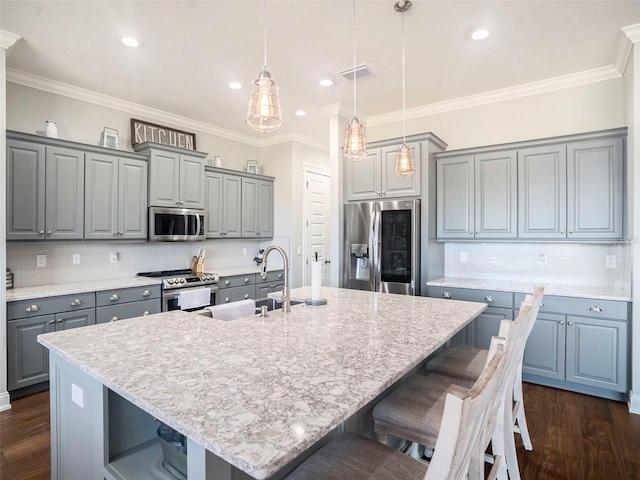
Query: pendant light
[[355, 142], [264, 104], [404, 162]]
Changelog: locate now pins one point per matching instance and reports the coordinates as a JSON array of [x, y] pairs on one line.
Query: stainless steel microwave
[[176, 224]]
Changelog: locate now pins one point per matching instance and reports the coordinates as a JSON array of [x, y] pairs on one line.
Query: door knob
[[327, 261]]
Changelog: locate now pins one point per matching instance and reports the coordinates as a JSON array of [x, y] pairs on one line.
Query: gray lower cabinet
[[118, 304], [27, 360], [176, 178], [235, 288], [273, 283], [45, 190], [257, 208], [223, 197], [580, 344], [479, 332], [115, 197]]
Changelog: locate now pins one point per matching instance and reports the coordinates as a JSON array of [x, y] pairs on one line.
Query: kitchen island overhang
[[257, 393]]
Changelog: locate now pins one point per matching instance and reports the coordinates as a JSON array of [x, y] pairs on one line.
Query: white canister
[[217, 161], [50, 129]]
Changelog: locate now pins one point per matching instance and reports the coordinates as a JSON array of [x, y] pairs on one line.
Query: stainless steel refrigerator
[[382, 246]]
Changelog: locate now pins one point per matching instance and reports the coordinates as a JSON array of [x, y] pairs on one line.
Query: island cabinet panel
[[477, 196], [45, 192], [115, 198], [581, 346], [374, 177], [542, 192]]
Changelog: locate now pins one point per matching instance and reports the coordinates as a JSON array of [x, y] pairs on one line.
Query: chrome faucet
[[285, 300]]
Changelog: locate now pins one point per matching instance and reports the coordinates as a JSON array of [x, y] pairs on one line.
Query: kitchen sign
[[142, 132]]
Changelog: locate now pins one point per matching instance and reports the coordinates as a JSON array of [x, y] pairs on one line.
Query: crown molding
[[632, 32], [293, 137], [7, 39], [337, 109], [59, 88], [628, 36], [557, 83]]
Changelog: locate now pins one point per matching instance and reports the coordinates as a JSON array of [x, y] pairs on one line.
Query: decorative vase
[[51, 130]]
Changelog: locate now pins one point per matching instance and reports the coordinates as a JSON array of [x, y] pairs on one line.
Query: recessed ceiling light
[[235, 85], [300, 113], [480, 34], [130, 42], [325, 82]]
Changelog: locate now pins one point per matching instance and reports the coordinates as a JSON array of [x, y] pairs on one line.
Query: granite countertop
[[605, 292], [258, 392], [54, 290], [229, 272]]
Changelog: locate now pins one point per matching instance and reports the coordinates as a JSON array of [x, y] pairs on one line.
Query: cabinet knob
[[76, 302], [246, 280], [227, 300], [52, 321], [146, 293], [477, 232], [227, 282], [561, 322], [116, 233], [383, 193], [280, 275], [562, 232], [446, 295], [31, 308], [177, 202], [595, 308], [258, 233], [114, 297], [146, 312], [377, 192], [246, 295], [49, 232], [471, 232], [113, 319], [41, 233], [59, 320], [488, 299], [570, 231], [570, 324]]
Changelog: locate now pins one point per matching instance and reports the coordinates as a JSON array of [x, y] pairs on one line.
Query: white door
[[316, 222]]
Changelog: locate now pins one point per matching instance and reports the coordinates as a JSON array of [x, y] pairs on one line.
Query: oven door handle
[[171, 294]]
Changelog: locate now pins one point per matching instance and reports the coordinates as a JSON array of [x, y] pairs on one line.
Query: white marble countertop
[[605, 292], [54, 290], [258, 392]]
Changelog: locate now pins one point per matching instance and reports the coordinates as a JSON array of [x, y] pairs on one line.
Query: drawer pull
[[146, 312], [227, 283], [52, 321], [113, 319], [146, 293], [446, 295], [32, 308], [59, 320], [246, 280], [595, 308], [246, 295], [561, 322], [280, 275], [76, 302], [114, 297], [227, 300], [488, 299], [570, 324]]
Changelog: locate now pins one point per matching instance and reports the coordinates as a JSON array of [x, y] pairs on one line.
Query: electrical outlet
[[299, 251], [75, 259], [463, 257], [41, 261], [542, 259], [244, 251], [114, 257], [611, 261]]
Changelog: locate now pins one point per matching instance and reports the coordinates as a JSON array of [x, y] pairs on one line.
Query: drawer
[[264, 289], [125, 295], [112, 313], [276, 276], [236, 281], [48, 305], [234, 294], [584, 307], [491, 298]]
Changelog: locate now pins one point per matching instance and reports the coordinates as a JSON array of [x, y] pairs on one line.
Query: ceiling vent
[[362, 71]]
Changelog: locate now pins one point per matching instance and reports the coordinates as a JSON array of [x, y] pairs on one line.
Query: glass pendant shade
[[264, 104], [404, 162], [355, 141]]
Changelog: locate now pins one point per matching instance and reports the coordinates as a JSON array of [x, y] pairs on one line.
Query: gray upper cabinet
[[568, 187], [477, 196], [257, 208], [223, 195], [595, 189], [45, 191], [374, 177], [115, 197], [176, 178]]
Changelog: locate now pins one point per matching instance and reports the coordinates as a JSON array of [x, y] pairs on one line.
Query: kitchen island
[[251, 395]]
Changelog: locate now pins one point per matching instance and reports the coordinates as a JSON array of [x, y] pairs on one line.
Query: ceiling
[[193, 49]]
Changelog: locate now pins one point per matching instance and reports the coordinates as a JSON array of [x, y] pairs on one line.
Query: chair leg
[[502, 443], [413, 450], [519, 416]]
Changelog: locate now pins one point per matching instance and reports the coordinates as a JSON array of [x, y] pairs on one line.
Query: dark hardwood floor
[[574, 437]]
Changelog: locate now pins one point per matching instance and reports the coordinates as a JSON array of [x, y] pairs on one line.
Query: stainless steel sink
[[272, 304]]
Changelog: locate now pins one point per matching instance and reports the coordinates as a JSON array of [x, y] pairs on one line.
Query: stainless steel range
[[176, 281]]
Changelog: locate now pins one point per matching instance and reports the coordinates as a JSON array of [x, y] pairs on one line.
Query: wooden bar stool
[[467, 418]]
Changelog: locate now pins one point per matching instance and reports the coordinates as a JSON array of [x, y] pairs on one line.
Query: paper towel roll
[[316, 280]]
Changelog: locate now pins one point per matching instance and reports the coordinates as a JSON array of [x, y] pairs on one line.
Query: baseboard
[[5, 401], [634, 403]]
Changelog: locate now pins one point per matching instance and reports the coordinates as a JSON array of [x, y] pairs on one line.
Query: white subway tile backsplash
[[566, 264]]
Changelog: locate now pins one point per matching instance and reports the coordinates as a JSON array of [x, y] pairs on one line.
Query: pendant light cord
[[354, 58], [404, 137], [265, 33]]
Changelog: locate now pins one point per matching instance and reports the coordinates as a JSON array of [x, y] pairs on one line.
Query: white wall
[[585, 108], [4, 396]]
